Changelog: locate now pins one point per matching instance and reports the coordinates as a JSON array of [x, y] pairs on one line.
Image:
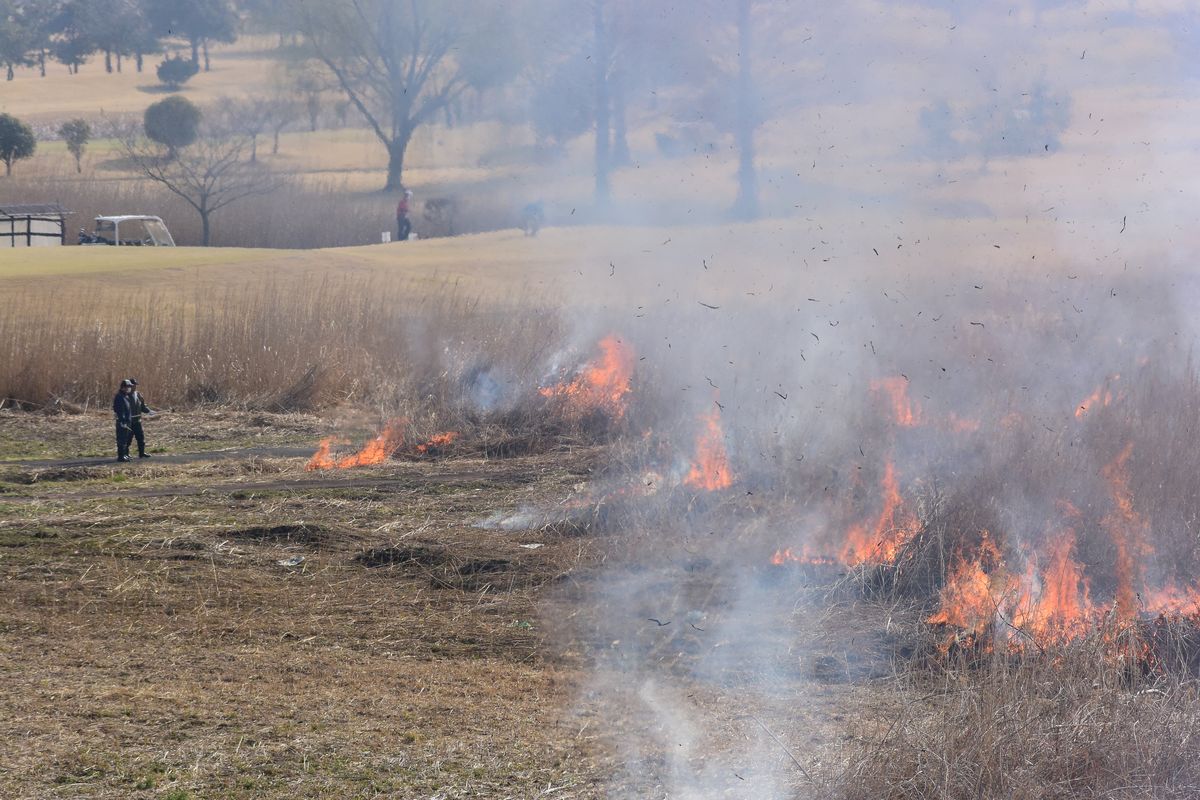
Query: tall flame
[[891, 531], [601, 386], [969, 598], [1054, 604], [1127, 529], [710, 467], [895, 390], [1103, 396]]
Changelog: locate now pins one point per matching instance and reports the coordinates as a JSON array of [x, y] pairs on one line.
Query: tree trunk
[[620, 154], [79, 163], [600, 57], [204, 226], [275, 143], [138, 60], [396, 150], [746, 204], [207, 66], [8, 166], [313, 106], [9, 74], [195, 50], [42, 61], [254, 148], [108, 61], [118, 61]]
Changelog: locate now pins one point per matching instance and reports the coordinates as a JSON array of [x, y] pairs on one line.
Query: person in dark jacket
[[403, 223], [123, 409], [137, 407]]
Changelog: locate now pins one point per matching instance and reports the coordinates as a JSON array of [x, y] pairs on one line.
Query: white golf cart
[[128, 230]]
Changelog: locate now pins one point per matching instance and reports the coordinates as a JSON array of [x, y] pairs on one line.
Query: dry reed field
[[676, 518]]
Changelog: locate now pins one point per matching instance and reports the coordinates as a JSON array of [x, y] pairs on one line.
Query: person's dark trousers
[[123, 439], [139, 434]]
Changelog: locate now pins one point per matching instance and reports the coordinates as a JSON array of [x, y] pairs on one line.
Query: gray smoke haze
[[985, 205]]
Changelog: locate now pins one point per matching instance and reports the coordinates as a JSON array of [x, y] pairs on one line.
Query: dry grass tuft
[[1066, 726]]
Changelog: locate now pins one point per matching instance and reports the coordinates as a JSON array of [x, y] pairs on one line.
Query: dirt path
[[379, 482], [406, 479], [166, 458]]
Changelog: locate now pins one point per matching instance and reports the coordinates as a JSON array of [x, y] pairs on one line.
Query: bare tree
[[208, 175], [628, 46], [401, 62], [249, 116], [749, 90], [281, 112]]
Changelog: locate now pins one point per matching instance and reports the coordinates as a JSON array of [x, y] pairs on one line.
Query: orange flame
[[710, 468], [438, 440], [968, 600], [1055, 605], [601, 386], [895, 389], [375, 451], [788, 556], [1173, 600], [322, 459], [1127, 529], [1103, 396], [892, 529]]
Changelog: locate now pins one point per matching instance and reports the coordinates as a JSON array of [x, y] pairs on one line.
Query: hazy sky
[[1080, 113]]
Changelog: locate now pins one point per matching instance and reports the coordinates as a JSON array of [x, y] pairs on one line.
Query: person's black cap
[[133, 381], [125, 383]]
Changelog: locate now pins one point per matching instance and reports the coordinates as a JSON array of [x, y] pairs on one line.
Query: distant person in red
[[403, 223]]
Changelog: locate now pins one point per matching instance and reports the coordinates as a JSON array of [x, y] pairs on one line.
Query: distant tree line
[[708, 74], [573, 68], [70, 32]]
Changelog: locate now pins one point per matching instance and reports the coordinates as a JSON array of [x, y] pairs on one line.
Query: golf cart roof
[[127, 217]]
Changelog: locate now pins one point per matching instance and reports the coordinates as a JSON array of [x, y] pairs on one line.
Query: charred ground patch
[[476, 570], [306, 534]]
